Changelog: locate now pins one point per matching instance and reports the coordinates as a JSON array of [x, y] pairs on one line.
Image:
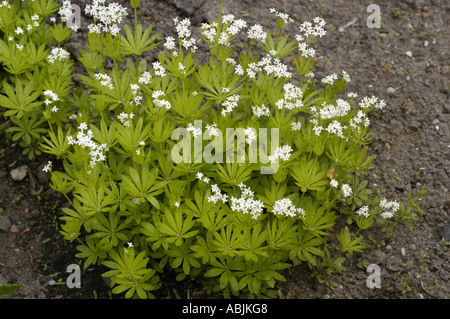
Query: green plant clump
[[226, 172]]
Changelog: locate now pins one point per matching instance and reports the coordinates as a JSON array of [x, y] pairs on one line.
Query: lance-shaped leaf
[[140, 42]]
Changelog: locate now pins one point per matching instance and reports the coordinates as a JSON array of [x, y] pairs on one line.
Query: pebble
[[19, 173], [445, 232], [14, 228], [388, 247], [403, 250], [426, 43], [409, 53], [391, 90], [5, 223]]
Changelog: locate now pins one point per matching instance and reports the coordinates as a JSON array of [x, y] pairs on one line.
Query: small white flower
[[130, 244], [47, 167], [346, 190], [334, 183], [296, 126], [199, 175], [363, 211], [177, 204], [257, 33], [19, 30]]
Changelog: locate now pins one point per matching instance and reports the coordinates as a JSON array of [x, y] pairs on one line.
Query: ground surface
[[404, 62]]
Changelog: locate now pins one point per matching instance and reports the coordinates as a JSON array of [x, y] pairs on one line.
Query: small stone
[[426, 43], [388, 247], [436, 121], [391, 90], [403, 250], [5, 223], [14, 228], [425, 15], [445, 232], [19, 173], [409, 53]]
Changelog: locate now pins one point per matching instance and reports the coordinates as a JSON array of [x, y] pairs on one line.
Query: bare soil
[[404, 62]]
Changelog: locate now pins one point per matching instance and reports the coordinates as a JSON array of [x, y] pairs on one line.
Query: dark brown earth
[[405, 62]]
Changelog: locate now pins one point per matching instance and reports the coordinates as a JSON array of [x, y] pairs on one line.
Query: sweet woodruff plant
[[225, 172]]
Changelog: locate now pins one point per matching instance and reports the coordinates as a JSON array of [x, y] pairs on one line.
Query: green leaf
[[350, 244], [308, 176], [139, 44], [6, 289]]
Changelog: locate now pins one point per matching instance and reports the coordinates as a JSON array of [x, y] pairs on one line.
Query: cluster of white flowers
[[239, 69], [346, 76], [230, 29], [234, 26], [367, 102], [250, 134], [292, 97], [202, 177], [47, 167], [329, 79], [66, 12], [19, 47], [346, 190], [134, 91], [305, 50], [125, 118], [246, 204], [317, 128], [19, 30], [261, 111], [257, 33], [230, 103], [336, 128], [283, 152], [212, 130], [85, 140], [390, 207], [285, 207], [184, 33], [53, 96], [58, 54], [296, 126], [159, 69], [104, 79], [145, 78], [217, 195], [351, 95], [170, 43], [5, 4], [334, 183], [160, 102], [275, 67], [196, 131], [209, 31], [316, 30], [359, 118], [283, 16], [108, 16], [329, 111], [363, 211]]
